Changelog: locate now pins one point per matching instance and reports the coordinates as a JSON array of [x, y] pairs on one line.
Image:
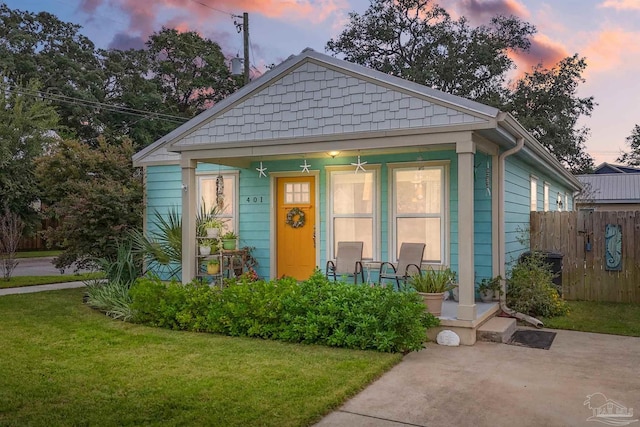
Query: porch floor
[[450, 309]]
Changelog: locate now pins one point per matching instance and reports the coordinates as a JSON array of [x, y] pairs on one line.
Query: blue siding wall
[[518, 202], [164, 192]]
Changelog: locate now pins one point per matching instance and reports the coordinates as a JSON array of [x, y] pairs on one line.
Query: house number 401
[[254, 199]]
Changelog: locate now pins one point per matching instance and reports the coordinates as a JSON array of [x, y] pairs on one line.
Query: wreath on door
[[291, 218]]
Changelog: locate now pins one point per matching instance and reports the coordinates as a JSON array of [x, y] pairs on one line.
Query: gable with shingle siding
[[314, 100]]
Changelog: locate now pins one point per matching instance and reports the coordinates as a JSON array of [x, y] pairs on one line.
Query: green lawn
[[65, 364], [37, 254], [18, 281], [600, 317]]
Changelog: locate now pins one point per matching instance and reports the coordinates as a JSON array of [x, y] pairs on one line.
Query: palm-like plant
[[162, 247]]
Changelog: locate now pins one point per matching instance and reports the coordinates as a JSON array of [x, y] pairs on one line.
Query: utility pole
[[245, 36]]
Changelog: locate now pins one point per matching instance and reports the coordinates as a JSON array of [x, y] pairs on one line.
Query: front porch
[[466, 329]]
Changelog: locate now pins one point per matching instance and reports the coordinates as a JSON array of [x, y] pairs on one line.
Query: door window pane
[[297, 193]]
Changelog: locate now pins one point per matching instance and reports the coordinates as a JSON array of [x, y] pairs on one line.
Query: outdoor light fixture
[[333, 154], [184, 187]]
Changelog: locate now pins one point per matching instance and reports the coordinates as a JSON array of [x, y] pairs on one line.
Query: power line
[[107, 107], [213, 8]]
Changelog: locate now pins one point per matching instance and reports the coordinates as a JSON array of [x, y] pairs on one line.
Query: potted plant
[[488, 287], [432, 285], [229, 240], [213, 266], [212, 227], [205, 247]]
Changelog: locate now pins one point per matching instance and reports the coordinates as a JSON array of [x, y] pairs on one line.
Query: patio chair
[[348, 261], [409, 262]]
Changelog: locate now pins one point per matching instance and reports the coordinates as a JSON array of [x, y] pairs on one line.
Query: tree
[[11, 227], [418, 41], [42, 47], [190, 70], [26, 129], [545, 101], [632, 158], [127, 85], [95, 193]]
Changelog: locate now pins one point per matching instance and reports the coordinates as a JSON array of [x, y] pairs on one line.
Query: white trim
[[375, 215], [273, 205], [545, 196], [533, 193], [445, 244]]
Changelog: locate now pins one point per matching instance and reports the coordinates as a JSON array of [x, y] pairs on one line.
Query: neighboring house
[[366, 156], [610, 188]]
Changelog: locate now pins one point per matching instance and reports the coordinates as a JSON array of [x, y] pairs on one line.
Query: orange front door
[[296, 246]]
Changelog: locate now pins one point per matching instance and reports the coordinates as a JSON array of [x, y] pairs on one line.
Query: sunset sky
[[606, 32]]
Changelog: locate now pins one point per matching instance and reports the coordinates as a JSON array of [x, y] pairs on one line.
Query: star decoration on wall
[[359, 165], [305, 167], [261, 169]]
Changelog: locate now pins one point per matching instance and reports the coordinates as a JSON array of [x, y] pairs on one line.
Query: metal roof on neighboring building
[[611, 188]]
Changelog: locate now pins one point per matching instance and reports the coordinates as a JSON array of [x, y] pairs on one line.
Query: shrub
[[530, 289], [315, 311], [111, 295]]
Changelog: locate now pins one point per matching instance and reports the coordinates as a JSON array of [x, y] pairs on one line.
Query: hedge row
[[315, 311]]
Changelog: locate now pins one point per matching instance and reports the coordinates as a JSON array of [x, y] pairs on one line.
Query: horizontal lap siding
[[518, 201]]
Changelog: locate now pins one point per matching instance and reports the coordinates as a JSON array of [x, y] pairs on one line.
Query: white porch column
[[189, 208], [466, 306]]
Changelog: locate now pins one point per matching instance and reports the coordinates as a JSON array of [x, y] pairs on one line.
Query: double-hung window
[[419, 207], [212, 193], [353, 208]]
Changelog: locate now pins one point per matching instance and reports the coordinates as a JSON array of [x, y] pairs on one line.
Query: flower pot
[[213, 268], [213, 233], [455, 294], [205, 250], [433, 302], [487, 296], [229, 244]]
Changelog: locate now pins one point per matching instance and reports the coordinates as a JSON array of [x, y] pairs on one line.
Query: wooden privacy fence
[[580, 238]]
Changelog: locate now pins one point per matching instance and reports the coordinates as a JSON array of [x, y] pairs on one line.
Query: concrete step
[[497, 329]]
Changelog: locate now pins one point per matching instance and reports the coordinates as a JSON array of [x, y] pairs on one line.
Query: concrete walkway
[[41, 288], [492, 384]]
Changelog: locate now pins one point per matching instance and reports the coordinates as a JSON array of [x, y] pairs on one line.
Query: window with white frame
[[352, 208], [534, 193], [560, 202], [212, 193], [418, 208], [546, 197], [566, 202]]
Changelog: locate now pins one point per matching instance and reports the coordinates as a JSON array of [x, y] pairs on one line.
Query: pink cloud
[[543, 51], [613, 49], [478, 11], [621, 4]]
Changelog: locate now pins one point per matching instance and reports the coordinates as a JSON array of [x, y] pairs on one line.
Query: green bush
[[111, 295], [315, 311], [530, 289]]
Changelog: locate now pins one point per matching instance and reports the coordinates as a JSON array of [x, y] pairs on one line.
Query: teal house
[[318, 151]]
